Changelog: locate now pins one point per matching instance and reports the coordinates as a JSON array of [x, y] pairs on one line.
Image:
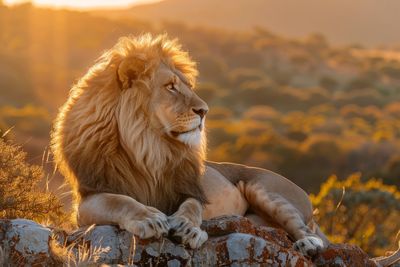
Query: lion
[[131, 142]]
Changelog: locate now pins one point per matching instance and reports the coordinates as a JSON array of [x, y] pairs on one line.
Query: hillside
[[366, 22], [300, 107]]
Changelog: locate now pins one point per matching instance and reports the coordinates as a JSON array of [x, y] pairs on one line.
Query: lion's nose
[[201, 112]]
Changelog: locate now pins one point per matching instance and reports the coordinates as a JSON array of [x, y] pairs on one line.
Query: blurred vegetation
[[299, 107], [20, 194], [366, 214]]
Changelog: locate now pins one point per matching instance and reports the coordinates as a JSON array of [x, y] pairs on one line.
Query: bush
[[20, 194], [366, 214]]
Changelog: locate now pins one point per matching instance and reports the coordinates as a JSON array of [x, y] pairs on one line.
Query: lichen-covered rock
[[343, 255], [233, 241], [24, 243]]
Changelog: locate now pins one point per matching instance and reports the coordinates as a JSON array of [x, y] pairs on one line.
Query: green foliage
[[20, 194], [362, 213]]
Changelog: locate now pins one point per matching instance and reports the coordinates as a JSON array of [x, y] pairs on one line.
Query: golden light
[[79, 4]]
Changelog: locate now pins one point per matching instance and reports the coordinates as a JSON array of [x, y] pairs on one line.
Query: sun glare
[[79, 4]]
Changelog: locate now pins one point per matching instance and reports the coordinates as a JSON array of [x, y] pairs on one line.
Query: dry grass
[[3, 258], [78, 253]]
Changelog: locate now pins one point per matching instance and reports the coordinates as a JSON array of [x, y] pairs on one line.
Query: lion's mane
[[108, 106]]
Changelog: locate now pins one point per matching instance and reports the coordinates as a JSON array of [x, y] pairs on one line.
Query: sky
[[79, 4]]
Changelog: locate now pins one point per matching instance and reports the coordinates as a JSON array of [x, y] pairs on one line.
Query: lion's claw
[[156, 224], [183, 231], [309, 245]]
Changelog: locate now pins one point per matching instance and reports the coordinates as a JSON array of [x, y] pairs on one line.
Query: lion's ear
[[129, 70]]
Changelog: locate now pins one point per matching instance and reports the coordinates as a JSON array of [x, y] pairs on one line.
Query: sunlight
[[78, 4]]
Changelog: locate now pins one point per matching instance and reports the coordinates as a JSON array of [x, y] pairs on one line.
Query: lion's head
[[133, 124], [166, 77]]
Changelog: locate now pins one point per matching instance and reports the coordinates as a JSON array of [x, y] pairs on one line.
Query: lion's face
[[177, 110]]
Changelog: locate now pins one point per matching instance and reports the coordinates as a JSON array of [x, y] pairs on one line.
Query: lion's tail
[[388, 260]]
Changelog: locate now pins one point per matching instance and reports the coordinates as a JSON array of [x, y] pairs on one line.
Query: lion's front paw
[[309, 245], [155, 223], [183, 231]]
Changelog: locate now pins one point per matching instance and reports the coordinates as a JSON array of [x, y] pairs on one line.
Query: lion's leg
[[185, 224], [285, 214], [129, 214], [224, 198]]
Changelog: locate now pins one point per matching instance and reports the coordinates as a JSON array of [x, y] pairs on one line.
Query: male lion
[[130, 139]]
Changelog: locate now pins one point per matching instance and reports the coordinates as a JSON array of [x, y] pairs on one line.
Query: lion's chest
[[167, 201]]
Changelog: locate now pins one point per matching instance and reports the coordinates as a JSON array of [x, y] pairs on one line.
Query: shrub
[[362, 213], [20, 194]]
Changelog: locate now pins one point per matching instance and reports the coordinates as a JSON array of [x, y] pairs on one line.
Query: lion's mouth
[[176, 133]]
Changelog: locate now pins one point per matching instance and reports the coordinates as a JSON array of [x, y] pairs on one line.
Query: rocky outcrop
[[233, 241]]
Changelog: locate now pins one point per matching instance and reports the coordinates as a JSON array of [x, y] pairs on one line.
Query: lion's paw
[[155, 224], [183, 231], [309, 245]]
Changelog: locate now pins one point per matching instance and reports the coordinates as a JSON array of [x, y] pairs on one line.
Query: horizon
[[368, 25], [82, 5]]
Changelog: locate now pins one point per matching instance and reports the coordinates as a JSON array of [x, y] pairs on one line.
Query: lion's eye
[[171, 87]]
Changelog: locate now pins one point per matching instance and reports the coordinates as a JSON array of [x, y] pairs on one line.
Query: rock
[[343, 255], [233, 241], [25, 242]]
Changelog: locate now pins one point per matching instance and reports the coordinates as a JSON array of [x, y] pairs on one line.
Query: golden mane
[[91, 131]]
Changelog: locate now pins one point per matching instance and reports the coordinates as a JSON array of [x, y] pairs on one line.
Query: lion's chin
[[192, 138]]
